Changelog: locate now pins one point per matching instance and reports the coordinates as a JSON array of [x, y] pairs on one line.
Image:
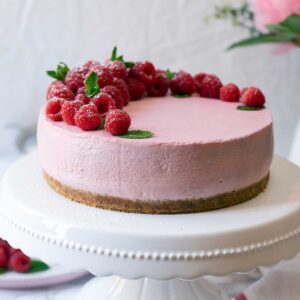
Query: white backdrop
[[36, 34]]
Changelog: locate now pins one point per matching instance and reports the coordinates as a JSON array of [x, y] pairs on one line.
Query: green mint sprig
[[61, 71], [115, 57], [137, 134], [170, 75], [91, 85]]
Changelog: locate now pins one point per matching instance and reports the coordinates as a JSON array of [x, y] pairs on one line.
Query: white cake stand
[[164, 254]]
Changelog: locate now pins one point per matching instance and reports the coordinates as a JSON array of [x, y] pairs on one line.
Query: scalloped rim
[[157, 256]]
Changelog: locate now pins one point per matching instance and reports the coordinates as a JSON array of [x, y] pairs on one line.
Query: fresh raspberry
[[104, 102], [122, 87], [3, 258], [75, 78], [136, 89], [81, 96], [182, 83], [104, 76], [143, 71], [210, 87], [53, 109], [117, 69], [13, 251], [87, 117], [198, 78], [59, 90], [159, 86], [243, 90], [69, 109], [91, 63], [115, 94], [230, 93], [19, 262], [253, 97], [53, 86], [117, 122], [5, 246]]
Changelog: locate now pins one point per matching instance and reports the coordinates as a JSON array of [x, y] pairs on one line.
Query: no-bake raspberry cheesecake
[[129, 137]]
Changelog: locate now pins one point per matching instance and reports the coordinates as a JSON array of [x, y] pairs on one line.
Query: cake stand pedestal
[[160, 257]]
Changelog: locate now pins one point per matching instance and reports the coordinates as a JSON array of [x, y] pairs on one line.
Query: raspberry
[[75, 78], [53, 109], [5, 246], [159, 86], [210, 86], [81, 96], [115, 94], [19, 262], [230, 93], [87, 117], [117, 69], [3, 258], [143, 71], [136, 89], [13, 250], [198, 78], [59, 90], [182, 83], [104, 102], [91, 63], [117, 122], [104, 76], [69, 109], [253, 97], [243, 90], [122, 87]]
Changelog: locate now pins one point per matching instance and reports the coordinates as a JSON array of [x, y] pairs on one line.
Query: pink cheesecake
[[204, 154]]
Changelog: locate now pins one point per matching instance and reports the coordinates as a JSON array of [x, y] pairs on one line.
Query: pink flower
[[273, 11]]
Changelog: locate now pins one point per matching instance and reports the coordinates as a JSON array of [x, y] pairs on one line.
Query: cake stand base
[[160, 257], [116, 288]]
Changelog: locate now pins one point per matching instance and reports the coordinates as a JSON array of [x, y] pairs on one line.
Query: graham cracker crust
[[157, 207]]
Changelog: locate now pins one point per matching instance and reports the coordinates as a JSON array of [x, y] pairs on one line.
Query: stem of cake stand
[[116, 288]]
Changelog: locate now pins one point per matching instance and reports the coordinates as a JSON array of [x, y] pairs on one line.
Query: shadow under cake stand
[[147, 257]]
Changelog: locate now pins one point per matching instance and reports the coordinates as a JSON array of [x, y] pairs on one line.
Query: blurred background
[[36, 35]]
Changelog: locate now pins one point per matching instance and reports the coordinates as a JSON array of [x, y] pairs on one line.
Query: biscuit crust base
[[159, 207]]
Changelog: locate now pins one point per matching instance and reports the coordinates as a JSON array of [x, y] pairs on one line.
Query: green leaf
[[62, 70], [170, 75], [244, 107], [52, 74], [137, 134], [102, 125], [60, 73], [37, 266], [129, 64], [262, 39], [181, 95], [3, 270], [91, 85], [120, 58], [114, 54], [289, 26]]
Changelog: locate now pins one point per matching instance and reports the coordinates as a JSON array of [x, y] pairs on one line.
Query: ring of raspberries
[[93, 94]]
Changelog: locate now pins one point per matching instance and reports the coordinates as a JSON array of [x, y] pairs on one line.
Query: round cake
[[204, 154]]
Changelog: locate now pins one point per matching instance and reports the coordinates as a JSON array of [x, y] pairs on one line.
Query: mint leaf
[[3, 270], [114, 54], [244, 107], [181, 95], [91, 85], [137, 134], [129, 64], [37, 266], [62, 70], [60, 73], [52, 74], [170, 75]]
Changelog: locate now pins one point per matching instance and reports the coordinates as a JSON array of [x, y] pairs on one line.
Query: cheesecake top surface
[[185, 121]]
